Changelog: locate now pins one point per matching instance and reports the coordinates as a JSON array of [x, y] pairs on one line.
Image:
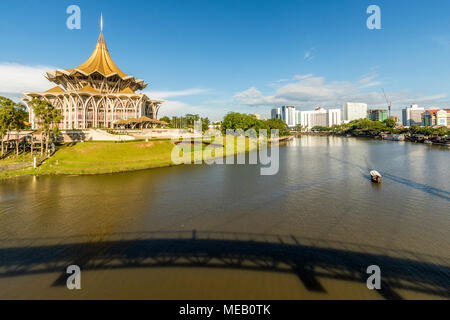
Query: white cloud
[[302, 76], [369, 80], [309, 54], [172, 108], [169, 94], [16, 78], [307, 91]]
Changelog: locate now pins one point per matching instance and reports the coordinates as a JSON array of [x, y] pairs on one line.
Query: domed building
[[96, 94]]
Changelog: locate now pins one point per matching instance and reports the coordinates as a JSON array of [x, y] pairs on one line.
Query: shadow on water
[[309, 259], [444, 194], [441, 193]]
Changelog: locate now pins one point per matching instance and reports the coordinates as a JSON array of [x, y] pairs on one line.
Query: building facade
[[298, 117], [288, 115], [395, 118], [320, 117], [285, 113], [334, 117], [95, 94], [377, 114], [310, 119], [439, 117], [275, 113], [412, 115], [354, 111]]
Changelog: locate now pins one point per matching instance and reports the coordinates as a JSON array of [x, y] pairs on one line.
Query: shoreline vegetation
[[385, 130], [103, 157]]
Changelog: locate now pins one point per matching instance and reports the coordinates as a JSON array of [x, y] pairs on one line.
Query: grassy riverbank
[[103, 157]]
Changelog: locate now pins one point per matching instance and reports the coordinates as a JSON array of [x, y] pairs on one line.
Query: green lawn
[[14, 159], [101, 157]]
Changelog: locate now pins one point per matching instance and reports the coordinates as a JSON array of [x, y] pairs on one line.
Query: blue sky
[[211, 56]]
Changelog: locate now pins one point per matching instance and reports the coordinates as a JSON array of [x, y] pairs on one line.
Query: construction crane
[[388, 103]]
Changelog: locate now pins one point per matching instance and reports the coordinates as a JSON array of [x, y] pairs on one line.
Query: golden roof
[[127, 90], [100, 61], [88, 88], [55, 89]]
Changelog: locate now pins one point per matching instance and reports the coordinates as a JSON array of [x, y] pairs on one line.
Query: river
[[225, 231]]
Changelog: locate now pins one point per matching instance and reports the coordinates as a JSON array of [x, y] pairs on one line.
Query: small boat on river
[[375, 176]]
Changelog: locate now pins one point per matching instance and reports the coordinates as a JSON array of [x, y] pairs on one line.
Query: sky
[[215, 56]]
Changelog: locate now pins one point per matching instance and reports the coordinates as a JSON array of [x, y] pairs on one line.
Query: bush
[[235, 121]]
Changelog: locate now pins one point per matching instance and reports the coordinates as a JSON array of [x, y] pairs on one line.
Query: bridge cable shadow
[[309, 259]]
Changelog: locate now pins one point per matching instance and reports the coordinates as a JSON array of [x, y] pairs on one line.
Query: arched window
[[89, 120]]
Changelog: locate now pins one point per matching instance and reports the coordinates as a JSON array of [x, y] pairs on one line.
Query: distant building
[[439, 117], [320, 117], [275, 113], [255, 115], [288, 115], [298, 117], [377, 114], [334, 117], [215, 124], [395, 118], [317, 117], [285, 113], [354, 111], [412, 115]]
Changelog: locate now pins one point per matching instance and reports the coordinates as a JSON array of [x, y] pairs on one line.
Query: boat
[[375, 176]]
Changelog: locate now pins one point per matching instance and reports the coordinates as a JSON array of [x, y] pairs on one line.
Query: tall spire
[[101, 22]]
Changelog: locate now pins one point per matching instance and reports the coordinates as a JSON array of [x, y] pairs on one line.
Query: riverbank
[[430, 140], [100, 157]]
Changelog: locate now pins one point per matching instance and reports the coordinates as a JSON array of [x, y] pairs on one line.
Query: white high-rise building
[[333, 117], [412, 115], [285, 113], [354, 111], [310, 119], [320, 117], [298, 119], [288, 115]]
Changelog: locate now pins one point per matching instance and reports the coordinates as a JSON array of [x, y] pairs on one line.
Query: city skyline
[[229, 58]]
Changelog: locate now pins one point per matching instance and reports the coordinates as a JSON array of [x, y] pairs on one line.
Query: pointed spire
[[101, 21]]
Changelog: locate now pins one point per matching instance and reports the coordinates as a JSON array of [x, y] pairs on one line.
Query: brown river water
[[226, 232]]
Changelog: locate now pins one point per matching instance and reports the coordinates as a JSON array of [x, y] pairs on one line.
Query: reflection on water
[[322, 197]]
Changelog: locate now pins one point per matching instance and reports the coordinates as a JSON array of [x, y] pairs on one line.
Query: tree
[[236, 121], [321, 128], [166, 119], [280, 125], [48, 118], [389, 122], [205, 124], [19, 117], [6, 119], [190, 119]]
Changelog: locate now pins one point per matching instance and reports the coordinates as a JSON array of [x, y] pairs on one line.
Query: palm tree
[[18, 122]]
